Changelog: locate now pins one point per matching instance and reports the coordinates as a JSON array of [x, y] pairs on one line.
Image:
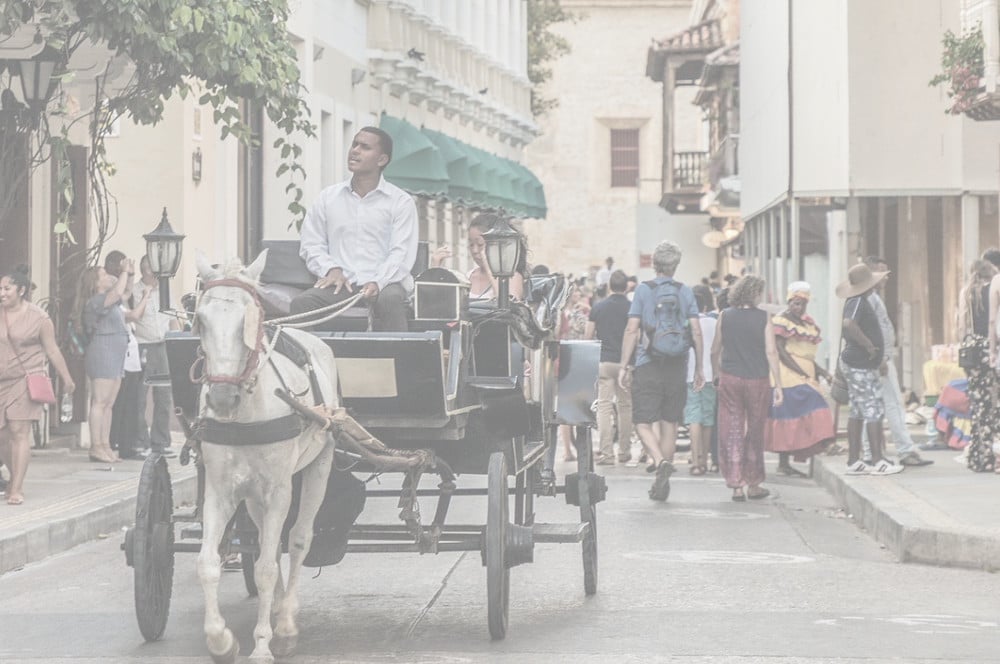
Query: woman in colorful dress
[[803, 424], [974, 329]]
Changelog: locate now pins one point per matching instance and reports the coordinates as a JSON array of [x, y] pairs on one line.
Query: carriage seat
[[285, 275]]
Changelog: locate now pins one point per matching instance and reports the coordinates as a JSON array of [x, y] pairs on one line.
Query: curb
[[886, 512], [100, 512]]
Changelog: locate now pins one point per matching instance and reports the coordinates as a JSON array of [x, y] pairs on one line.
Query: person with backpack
[[664, 315]]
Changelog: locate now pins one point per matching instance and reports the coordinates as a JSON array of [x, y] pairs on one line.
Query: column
[[837, 239], [507, 34], [991, 40], [970, 231]]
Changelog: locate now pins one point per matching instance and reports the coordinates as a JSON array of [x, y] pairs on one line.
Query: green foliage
[[543, 47], [961, 68], [236, 52]]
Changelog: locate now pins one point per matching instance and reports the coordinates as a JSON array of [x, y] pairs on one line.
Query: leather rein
[[196, 373]]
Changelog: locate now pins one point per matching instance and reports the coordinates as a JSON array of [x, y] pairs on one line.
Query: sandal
[[758, 495], [697, 470], [739, 496], [15, 500]]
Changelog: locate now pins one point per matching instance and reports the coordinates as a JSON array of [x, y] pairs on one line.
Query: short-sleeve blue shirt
[[642, 308]]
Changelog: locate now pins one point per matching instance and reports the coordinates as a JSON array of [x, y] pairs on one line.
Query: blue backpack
[[667, 324]]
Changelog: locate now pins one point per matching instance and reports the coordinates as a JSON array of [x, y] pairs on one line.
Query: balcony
[[688, 170], [685, 183]]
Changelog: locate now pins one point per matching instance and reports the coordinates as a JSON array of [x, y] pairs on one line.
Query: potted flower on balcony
[[962, 69]]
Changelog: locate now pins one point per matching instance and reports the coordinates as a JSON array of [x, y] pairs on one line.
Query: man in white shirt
[[361, 236], [150, 331]]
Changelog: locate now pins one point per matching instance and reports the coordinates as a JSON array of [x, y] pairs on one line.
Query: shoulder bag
[[39, 384]]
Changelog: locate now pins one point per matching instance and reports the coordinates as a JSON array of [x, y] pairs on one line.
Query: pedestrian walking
[[607, 323], [664, 315], [700, 408], [892, 395], [743, 357], [863, 364], [803, 424], [27, 341], [974, 329]]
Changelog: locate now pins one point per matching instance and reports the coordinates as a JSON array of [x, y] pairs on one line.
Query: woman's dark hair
[[488, 220], [20, 276], [703, 296]]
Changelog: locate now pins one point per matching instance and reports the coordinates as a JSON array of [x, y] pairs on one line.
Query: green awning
[[417, 164], [534, 195], [460, 163]]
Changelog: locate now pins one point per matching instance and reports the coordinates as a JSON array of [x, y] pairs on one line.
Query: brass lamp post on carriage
[[163, 246], [503, 253]]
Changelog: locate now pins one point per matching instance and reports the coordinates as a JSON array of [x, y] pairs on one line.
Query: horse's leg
[[314, 477], [269, 520], [218, 509]]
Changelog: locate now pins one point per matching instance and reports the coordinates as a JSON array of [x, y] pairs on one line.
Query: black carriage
[[454, 385]]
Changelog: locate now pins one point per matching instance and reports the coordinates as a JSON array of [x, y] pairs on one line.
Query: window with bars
[[624, 157]]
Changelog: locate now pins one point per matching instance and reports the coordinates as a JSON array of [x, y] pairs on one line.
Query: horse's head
[[229, 320]]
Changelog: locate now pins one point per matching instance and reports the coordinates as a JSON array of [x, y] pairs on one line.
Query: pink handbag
[[39, 384]]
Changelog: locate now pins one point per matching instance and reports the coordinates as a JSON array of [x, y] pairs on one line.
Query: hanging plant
[[962, 69]]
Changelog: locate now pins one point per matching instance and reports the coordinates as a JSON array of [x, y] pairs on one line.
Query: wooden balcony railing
[[689, 169]]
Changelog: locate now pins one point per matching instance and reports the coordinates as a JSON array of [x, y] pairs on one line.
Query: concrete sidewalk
[[70, 500], [941, 514]]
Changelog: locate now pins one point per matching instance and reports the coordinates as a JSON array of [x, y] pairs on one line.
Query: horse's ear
[[205, 269], [255, 269]]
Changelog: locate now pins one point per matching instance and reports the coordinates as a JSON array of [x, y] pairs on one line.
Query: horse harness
[[266, 339]]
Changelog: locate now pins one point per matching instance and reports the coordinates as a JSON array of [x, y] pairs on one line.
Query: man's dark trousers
[[389, 307]]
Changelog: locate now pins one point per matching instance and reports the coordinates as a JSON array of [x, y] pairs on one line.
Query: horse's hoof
[[284, 646], [230, 656], [262, 659]]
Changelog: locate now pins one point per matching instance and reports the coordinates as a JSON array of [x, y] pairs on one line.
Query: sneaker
[[859, 467], [885, 467], [661, 485], [604, 460], [624, 458]]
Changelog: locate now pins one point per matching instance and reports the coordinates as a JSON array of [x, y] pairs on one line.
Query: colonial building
[[846, 151], [601, 154]]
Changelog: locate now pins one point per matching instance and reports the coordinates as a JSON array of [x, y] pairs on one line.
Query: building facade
[[846, 151], [600, 150]]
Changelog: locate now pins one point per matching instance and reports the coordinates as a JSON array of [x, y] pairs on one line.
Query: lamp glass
[[36, 78], [163, 246], [503, 249]]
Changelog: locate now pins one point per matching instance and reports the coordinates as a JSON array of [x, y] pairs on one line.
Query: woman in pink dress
[[27, 340]]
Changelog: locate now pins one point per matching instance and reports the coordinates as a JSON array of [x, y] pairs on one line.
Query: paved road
[[699, 579]]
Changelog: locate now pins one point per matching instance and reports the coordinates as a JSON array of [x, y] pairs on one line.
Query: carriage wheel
[[153, 548], [588, 511], [497, 572]]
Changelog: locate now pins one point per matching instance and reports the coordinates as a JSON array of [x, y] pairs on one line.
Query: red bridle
[[253, 359]]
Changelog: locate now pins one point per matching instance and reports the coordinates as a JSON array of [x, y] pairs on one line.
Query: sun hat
[[860, 279]]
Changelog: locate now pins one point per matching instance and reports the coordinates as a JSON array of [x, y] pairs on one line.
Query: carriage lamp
[[36, 74], [163, 246], [503, 252]]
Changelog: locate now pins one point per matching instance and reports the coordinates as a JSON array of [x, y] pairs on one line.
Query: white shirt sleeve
[[402, 244], [315, 247]]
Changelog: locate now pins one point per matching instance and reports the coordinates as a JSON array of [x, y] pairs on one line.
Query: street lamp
[[37, 83], [163, 247], [503, 253]]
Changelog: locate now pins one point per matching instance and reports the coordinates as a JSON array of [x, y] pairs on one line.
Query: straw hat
[[860, 279]]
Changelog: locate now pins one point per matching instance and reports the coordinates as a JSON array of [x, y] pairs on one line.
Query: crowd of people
[[742, 378]]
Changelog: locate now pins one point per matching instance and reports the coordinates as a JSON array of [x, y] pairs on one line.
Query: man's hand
[[625, 377], [699, 380], [335, 278], [370, 290]]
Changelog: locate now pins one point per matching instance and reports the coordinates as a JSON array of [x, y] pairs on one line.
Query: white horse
[[240, 374]]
